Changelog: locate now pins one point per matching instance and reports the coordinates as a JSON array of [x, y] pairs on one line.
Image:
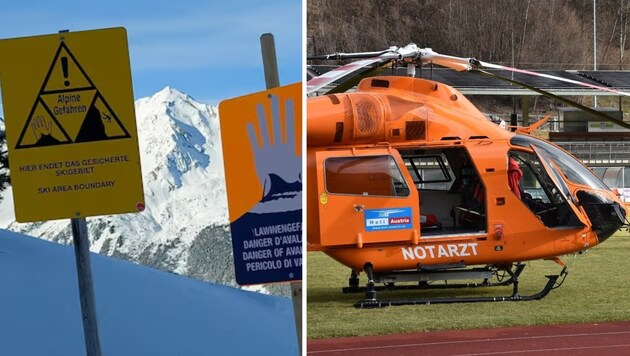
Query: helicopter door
[[561, 185], [364, 198]]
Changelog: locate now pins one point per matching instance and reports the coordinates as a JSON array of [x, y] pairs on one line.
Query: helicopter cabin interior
[[451, 195]]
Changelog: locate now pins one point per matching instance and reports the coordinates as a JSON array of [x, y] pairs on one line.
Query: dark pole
[[86, 289], [270, 63]]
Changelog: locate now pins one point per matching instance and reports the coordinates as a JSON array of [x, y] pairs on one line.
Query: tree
[[4, 163]]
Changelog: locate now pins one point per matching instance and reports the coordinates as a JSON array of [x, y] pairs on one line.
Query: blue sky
[[207, 49]]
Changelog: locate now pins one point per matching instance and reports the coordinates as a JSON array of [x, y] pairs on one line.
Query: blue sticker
[[388, 219]]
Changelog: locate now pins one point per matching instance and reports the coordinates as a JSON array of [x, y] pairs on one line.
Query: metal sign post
[[86, 290], [296, 296], [270, 63], [272, 80]]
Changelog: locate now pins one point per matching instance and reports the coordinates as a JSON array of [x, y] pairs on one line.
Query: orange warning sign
[[261, 136]]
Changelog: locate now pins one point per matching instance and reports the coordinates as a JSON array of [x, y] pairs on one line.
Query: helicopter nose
[[606, 215]]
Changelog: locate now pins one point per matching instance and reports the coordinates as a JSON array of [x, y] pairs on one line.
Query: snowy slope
[[140, 311], [184, 226]]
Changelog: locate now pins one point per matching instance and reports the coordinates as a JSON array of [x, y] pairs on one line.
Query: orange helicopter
[[409, 182]]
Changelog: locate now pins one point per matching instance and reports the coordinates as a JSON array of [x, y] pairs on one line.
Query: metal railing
[[599, 152]]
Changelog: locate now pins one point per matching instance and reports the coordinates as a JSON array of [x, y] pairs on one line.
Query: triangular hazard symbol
[[69, 108], [100, 123], [42, 129], [113, 127], [66, 73]]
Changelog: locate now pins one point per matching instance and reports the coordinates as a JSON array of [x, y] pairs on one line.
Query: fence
[[599, 152]]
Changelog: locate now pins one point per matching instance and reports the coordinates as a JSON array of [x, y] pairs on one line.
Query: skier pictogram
[[69, 108]]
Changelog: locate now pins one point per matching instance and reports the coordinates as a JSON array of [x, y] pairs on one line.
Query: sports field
[[597, 289]]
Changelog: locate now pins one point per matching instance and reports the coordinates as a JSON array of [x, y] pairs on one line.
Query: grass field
[[597, 289]]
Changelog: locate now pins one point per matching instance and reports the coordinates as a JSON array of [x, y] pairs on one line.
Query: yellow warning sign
[[70, 122]]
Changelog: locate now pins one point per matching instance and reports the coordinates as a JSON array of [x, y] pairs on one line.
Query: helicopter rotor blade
[[457, 63], [470, 64], [409, 51], [476, 66], [556, 97], [548, 76], [317, 83], [341, 55]]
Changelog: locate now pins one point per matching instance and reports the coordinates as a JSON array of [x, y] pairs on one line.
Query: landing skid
[[424, 278], [371, 301]]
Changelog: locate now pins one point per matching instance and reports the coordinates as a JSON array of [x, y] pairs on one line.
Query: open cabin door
[[561, 185], [364, 198]]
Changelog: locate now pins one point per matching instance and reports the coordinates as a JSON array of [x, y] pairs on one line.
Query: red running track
[[573, 339]]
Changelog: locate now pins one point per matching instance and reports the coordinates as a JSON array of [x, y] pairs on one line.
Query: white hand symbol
[[279, 157]]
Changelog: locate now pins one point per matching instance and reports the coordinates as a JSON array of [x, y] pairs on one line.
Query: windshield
[[575, 171]]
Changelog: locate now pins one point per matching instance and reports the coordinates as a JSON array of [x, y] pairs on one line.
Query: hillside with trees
[[536, 34]]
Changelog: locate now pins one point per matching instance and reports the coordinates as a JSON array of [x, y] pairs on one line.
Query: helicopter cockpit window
[[367, 176], [539, 192], [570, 167]]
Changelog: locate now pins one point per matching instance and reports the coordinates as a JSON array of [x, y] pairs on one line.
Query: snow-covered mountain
[[184, 228]]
